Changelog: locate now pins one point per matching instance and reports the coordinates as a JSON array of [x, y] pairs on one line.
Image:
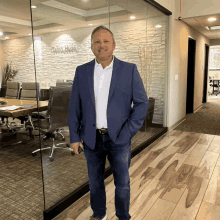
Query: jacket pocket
[[125, 122]]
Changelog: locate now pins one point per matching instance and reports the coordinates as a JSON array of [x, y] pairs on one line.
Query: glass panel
[[156, 54], [141, 38], [62, 39], [21, 188], [62, 34]]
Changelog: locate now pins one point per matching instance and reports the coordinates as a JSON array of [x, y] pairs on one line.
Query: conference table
[[24, 108]]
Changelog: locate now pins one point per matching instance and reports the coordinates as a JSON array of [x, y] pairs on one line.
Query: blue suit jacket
[[123, 121]]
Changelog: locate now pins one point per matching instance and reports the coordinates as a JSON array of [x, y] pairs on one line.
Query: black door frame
[[206, 64], [190, 75]]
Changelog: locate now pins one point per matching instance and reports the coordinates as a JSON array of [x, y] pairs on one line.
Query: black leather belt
[[103, 130]]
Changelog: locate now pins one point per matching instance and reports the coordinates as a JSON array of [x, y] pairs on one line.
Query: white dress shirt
[[102, 80]]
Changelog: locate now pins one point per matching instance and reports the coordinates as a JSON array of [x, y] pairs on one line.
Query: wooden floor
[[175, 178]]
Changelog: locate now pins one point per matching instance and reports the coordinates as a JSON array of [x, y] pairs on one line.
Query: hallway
[[206, 120], [178, 175]]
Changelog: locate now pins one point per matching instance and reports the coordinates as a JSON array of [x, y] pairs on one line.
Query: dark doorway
[[190, 76], [204, 98]]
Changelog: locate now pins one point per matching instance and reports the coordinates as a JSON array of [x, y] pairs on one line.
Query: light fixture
[[1, 32], [58, 30], [6, 37], [90, 24], [158, 26], [212, 19], [132, 17], [207, 27], [215, 28], [29, 34], [33, 6]]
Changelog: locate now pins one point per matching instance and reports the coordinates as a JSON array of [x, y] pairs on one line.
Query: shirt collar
[[107, 67]]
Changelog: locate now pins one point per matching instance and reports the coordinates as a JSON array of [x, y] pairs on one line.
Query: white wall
[[215, 42], [177, 65], [193, 8]]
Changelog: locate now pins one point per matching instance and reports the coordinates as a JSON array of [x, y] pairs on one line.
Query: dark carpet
[[206, 120]]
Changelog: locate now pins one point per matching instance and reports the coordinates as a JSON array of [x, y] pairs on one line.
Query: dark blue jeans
[[119, 157]]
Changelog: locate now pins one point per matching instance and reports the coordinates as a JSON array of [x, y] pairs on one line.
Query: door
[[204, 99], [190, 75]]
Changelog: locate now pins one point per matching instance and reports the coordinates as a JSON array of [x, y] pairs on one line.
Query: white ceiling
[[51, 15], [199, 23]]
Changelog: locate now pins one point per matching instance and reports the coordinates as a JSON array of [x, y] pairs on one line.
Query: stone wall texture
[[58, 54]]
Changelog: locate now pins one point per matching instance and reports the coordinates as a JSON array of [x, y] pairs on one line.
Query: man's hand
[[75, 147]]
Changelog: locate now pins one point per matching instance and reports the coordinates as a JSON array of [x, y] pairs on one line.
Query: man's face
[[102, 45]]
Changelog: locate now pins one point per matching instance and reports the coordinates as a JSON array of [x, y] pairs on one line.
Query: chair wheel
[[34, 154], [51, 159], [72, 153]]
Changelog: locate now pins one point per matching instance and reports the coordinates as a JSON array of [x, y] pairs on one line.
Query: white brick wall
[[128, 36]]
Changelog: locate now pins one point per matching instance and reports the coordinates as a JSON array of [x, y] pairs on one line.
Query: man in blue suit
[[101, 117]]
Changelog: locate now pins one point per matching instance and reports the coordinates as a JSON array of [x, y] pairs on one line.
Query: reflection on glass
[[21, 174], [62, 41], [62, 35]]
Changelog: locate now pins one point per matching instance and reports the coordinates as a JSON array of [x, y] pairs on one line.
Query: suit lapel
[[115, 78]]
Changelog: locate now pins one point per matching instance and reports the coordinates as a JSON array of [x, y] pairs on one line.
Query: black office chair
[[11, 93], [57, 118], [213, 85]]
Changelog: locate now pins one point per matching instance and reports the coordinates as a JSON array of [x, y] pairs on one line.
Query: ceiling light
[[29, 34], [212, 19], [33, 6], [207, 27], [132, 17], [6, 37], [90, 24], [158, 26], [58, 30], [215, 28], [1, 33]]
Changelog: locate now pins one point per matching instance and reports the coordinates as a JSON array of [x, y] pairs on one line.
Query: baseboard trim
[[176, 124], [63, 204], [197, 109]]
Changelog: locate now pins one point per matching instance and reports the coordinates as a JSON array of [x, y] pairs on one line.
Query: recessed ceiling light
[[6, 37], [215, 28], [58, 30], [90, 24], [29, 34], [132, 17], [158, 26], [33, 6], [212, 19], [1, 33]]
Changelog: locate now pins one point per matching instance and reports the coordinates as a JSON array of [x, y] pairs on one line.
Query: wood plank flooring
[[175, 178]]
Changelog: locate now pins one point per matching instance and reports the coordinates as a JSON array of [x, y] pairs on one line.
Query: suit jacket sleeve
[[140, 101], [74, 114]]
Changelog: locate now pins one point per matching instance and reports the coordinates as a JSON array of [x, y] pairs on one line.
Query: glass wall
[[21, 185], [49, 53]]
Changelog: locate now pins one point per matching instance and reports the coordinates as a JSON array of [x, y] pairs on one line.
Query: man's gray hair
[[101, 27]]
